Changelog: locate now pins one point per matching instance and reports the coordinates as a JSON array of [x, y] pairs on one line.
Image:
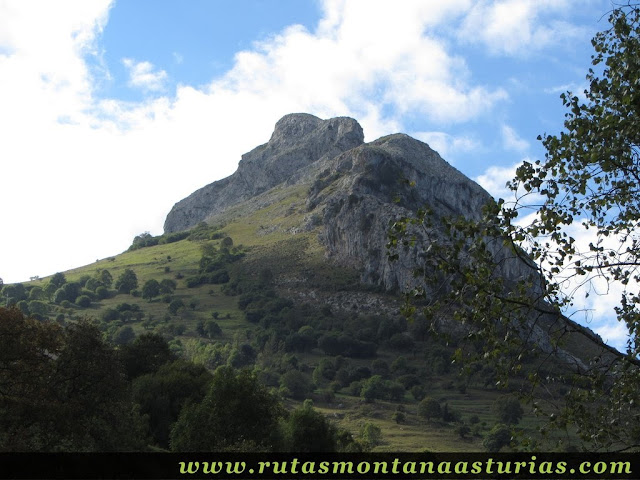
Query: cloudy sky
[[112, 111]]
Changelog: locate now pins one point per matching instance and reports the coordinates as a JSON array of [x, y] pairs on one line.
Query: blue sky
[[112, 111]]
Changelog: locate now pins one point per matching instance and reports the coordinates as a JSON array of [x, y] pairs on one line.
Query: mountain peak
[[298, 140], [295, 128]]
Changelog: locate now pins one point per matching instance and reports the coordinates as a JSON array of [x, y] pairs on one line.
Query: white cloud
[[495, 178], [613, 333], [142, 75], [87, 174], [448, 146], [365, 55], [512, 141], [516, 27]]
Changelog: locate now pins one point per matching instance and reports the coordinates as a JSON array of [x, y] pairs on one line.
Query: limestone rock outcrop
[[298, 140]]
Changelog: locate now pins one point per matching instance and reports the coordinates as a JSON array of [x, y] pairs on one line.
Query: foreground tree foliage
[[162, 394], [62, 389], [588, 184], [237, 414], [307, 430]]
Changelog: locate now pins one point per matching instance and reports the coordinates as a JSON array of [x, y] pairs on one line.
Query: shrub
[[127, 281], [175, 306], [429, 408], [307, 430], [409, 380], [296, 384], [212, 329], [105, 278], [102, 292], [462, 430], [508, 410], [36, 293], [83, 301], [498, 438], [371, 434], [418, 392], [36, 306], [373, 389], [58, 279], [24, 307], [398, 417], [110, 314], [402, 341], [92, 284], [167, 286], [150, 289], [124, 335]]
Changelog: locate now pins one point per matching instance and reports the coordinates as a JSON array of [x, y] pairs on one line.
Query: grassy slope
[[271, 235]]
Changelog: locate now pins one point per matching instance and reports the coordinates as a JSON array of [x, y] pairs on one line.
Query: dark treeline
[[66, 389]]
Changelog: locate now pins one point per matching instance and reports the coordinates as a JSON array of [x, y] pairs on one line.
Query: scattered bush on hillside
[[296, 384], [508, 410], [143, 240], [102, 292], [429, 408], [499, 437], [175, 306], [127, 281], [83, 301], [150, 289], [208, 328]]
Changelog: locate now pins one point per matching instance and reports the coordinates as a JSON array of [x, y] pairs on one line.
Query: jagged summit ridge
[[298, 140]]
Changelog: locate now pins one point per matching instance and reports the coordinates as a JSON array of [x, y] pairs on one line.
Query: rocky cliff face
[[371, 190], [353, 191], [298, 140]]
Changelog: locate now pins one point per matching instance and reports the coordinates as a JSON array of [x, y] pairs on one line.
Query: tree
[[307, 430], [38, 308], [102, 292], [175, 306], [127, 281], [371, 434], [237, 414], [163, 393], [167, 286], [14, 292], [61, 389], [104, 276], [587, 185], [150, 289], [83, 301], [296, 384], [124, 335], [145, 355], [429, 408], [508, 410], [373, 388], [58, 279], [36, 293], [498, 438]]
